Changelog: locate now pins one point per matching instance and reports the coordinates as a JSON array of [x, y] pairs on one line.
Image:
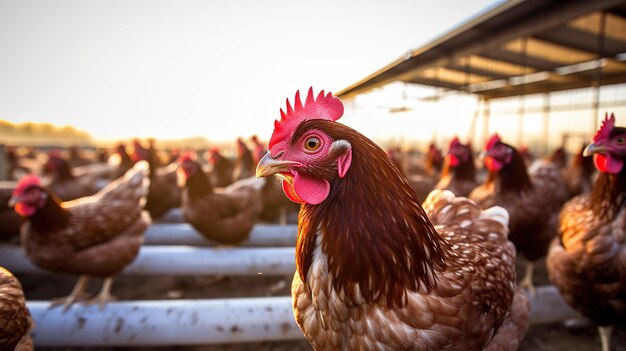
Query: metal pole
[[184, 260], [194, 322], [597, 81], [546, 122], [184, 234]]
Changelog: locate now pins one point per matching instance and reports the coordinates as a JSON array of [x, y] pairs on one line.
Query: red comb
[[26, 182], [325, 107], [188, 155], [54, 153], [454, 142], [493, 140], [605, 130]]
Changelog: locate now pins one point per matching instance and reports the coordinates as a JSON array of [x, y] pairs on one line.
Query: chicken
[[433, 161], [94, 236], [587, 262], [164, 193], [258, 150], [225, 216], [459, 172], [15, 320], [244, 165], [579, 175], [123, 161], [373, 271], [63, 182], [222, 172], [533, 199], [9, 220]]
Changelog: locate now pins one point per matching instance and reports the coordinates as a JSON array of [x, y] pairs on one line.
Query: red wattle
[[607, 163], [492, 164], [454, 161], [24, 210]]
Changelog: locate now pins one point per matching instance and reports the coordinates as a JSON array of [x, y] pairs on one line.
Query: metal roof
[[519, 48]]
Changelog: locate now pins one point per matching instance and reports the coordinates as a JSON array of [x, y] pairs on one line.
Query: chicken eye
[[312, 143], [620, 140]]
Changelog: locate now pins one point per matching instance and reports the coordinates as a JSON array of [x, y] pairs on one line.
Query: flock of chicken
[[377, 267]]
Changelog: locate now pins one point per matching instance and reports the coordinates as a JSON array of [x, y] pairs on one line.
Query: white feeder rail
[[174, 215], [185, 234], [165, 323], [184, 260], [189, 322]]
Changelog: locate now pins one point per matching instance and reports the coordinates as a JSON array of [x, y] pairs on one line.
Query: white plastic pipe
[[184, 234], [174, 215], [188, 322], [184, 260], [165, 323], [549, 307]]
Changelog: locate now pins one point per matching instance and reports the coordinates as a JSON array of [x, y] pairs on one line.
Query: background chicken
[[93, 237], [222, 168], [63, 182], [459, 172], [164, 193], [373, 273], [15, 320], [532, 198], [244, 165], [226, 216], [580, 174], [588, 261], [9, 220]]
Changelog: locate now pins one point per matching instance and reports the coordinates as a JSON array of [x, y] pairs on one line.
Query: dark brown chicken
[[459, 172], [164, 193], [244, 165], [532, 198], [587, 262], [9, 220], [64, 183], [580, 174], [222, 169], [224, 215], [15, 320], [375, 270], [94, 236]]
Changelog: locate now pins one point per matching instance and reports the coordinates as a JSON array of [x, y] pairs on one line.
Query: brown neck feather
[[376, 235], [513, 177], [51, 217], [608, 194], [464, 171], [198, 184]]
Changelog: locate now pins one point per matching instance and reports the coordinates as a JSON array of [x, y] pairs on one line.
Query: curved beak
[[594, 149], [269, 165], [12, 201]]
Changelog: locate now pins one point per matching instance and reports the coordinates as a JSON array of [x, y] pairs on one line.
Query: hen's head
[[457, 153], [304, 155], [28, 196], [54, 163], [497, 154], [187, 167], [608, 147]]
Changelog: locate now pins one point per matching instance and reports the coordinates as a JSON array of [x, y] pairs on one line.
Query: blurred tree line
[[41, 130]]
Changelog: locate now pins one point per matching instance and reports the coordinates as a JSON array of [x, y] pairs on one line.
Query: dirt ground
[[550, 337]]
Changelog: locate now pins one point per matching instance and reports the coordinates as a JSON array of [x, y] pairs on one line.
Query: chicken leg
[[527, 281], [74, 296], [605, 337], [104, 295]]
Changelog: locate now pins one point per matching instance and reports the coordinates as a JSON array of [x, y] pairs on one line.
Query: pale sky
[[218, 69]]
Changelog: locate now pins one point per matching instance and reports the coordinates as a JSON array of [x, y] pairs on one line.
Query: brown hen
[[373, 271], [532, 197], [15, 320], [63, 181], [459, 172], [224, 215], [587, 262], [94, 236]]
